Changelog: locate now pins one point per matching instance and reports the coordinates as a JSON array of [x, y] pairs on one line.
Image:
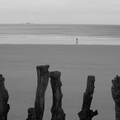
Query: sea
[[59, 34]]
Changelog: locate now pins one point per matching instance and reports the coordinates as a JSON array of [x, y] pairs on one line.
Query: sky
[[60, 11]]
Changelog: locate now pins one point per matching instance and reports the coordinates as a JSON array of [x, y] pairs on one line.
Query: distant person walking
[[76, 41]]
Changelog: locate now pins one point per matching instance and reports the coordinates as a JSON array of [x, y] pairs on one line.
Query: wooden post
[[42, 83], [115, 90], [4, 96], [56, 110], [31, 114], [86, 113]]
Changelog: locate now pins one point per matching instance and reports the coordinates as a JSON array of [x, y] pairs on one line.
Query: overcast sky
[[60, 11]]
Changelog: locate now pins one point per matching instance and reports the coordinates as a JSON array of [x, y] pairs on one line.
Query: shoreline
[[57, 40]]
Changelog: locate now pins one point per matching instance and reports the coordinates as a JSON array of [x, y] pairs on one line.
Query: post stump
[[31, 114], [86, 113], [42, 83], [115, 90], [4, 96], [56, 110]]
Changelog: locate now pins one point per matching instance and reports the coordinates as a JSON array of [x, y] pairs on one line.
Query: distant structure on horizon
[[28, 23]]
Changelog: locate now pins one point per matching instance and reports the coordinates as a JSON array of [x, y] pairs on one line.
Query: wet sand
[[75, 62]]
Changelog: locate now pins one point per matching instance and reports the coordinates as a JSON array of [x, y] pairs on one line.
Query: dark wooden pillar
[[86, 113], [31, 114], [4, 96], [56, 110], [42, 83], [115, 90]]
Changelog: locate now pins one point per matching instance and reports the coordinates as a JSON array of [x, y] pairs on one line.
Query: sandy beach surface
[[75, 62]]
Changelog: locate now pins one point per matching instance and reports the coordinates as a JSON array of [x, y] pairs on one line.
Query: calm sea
[[59, 34]]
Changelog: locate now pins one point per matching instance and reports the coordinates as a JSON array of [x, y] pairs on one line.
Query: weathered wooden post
[[115, 90], [56, 110], [86, 113], [42, 83], [4, 96], [31, 114]]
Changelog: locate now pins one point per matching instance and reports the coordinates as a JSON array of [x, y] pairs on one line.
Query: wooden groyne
[[42, 83], [37, 112], [86, 113], [115, 90], [4, 96], [56, 110]]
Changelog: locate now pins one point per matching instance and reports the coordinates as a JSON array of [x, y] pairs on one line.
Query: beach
[[57, 39], [75, 62]]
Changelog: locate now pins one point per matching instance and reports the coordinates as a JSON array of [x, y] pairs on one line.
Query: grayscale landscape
[[77, 38]]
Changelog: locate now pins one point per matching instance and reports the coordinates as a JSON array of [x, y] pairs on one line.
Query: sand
[[75, 62]]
